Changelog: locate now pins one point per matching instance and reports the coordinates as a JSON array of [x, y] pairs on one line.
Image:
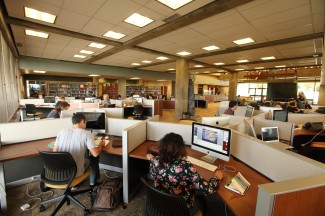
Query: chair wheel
[[41, 208], [86, 212], [43, 187], [124, 206]]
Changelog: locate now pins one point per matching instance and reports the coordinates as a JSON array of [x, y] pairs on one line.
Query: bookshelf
[[111, 89], [72, 89]]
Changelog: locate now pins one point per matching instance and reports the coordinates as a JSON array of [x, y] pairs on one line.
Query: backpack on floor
[[107, 196]]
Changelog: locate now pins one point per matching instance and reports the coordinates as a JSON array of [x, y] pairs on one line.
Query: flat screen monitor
[[69, 113], [249, 129], [211, 140], [249, 111], [270, 134], [280, 115], [49, 99], [216, 121], [96, 122]]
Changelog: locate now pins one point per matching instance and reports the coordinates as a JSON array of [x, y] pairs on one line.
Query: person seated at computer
[[278, 105], [262, 101], [292, 107], [233, 105], [173, 174], [302, 101], [62, 98], [105, 101], [238, 99], [76, 141], [56, 112]]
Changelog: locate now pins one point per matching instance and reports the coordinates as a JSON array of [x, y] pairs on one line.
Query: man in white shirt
[[76, 141]]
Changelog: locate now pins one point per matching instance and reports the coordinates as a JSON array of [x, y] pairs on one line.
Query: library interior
[[241, 81]]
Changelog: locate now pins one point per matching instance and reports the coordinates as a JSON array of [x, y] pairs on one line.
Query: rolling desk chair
[[59, 172], [138, 111], [31, 111], [160, 203]]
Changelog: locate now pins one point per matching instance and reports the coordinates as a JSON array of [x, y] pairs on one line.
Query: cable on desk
[[227, 168], [312, 138]]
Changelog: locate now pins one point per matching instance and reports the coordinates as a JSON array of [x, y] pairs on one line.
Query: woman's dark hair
[[61, 105], [77, 118], [171, 148]]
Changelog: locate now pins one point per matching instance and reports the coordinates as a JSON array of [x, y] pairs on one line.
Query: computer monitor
[[270, 134], [138, 99], [96, 122], [280, 115], [69, 113], [211, 140], [249, 129], [216, 121], [49, 100], [249, 111]]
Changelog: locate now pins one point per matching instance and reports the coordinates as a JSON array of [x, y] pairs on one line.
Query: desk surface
[[240, 205]]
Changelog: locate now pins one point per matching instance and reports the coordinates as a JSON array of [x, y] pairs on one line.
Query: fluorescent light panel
[[242, 61], [171, 69], [280, 66], [115, 35], [86, 52], [210, 48], [259, 68], [39, 71], [198, 66], [135, 78], [138, 20], [244, 41], [219, 63], [146, 61], [93, 75], [36, 33], [174, 4], [184, 53], [39, 15], [162, 58], [79, 56], [268, 58], [97, 45], [136, 64]]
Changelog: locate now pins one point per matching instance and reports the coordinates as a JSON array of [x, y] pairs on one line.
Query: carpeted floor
[[31, 194]]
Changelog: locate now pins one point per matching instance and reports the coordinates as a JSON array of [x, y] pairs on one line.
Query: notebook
[[270, 134]]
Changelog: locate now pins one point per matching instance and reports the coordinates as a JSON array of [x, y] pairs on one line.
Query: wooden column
[[233, 79], [181, 87]]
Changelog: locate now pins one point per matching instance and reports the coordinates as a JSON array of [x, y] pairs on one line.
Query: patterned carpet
[[30, 193]]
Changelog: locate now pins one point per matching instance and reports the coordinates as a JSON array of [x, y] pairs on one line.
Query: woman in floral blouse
[[173, 174]]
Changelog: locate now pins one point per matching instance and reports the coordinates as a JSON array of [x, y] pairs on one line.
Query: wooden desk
[[240, 205], [303, 135]]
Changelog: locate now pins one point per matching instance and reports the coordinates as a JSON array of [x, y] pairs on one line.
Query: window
[[254, 90], [310, 89]]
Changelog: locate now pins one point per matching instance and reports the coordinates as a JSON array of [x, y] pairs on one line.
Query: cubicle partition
[[301, 119]]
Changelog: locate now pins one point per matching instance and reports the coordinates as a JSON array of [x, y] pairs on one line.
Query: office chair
[[164, 204], [315, 153], [31, 111], [59, 172], [138, 111]]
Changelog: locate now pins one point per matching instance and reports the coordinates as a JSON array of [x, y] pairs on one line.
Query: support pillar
[[233, 79], [181, 87], [122, 87], [321, 96]]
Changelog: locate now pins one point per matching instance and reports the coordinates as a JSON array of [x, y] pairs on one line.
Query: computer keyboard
[[201, 163]]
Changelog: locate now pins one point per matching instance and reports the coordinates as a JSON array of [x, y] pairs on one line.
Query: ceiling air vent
[[172, 18]]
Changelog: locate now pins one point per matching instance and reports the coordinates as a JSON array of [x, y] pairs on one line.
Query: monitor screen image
[[280, 115], [249, 111], [95, 121], [211, 140], [49, 99], [270, 134]]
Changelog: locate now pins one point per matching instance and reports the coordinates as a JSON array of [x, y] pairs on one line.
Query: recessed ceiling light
[[161, 80], [198, 66], [259, 68], [171, 69], [146, 61], [162, 58], [184, 53], [136, 64], [39, 15], [239, 69], [114, 35], [97, 45], [36, 33], [79, 56], [210, 48], [135, 78], [268, 58], [39, 71], [93, 75], [242, 61], [280, 66], [244, 41], [220, 70], [174, 4], [86, 52], [219, 63], [206, 72], [138, 20]]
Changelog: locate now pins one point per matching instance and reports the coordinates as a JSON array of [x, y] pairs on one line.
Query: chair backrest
[[138, 109], [59, 168], [30, 108], [160, 203], [110, 106]]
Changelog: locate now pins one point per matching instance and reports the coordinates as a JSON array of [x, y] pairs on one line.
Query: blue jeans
[[93, 162]]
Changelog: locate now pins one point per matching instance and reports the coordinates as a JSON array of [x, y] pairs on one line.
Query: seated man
[[233, 105], [76, 141]]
